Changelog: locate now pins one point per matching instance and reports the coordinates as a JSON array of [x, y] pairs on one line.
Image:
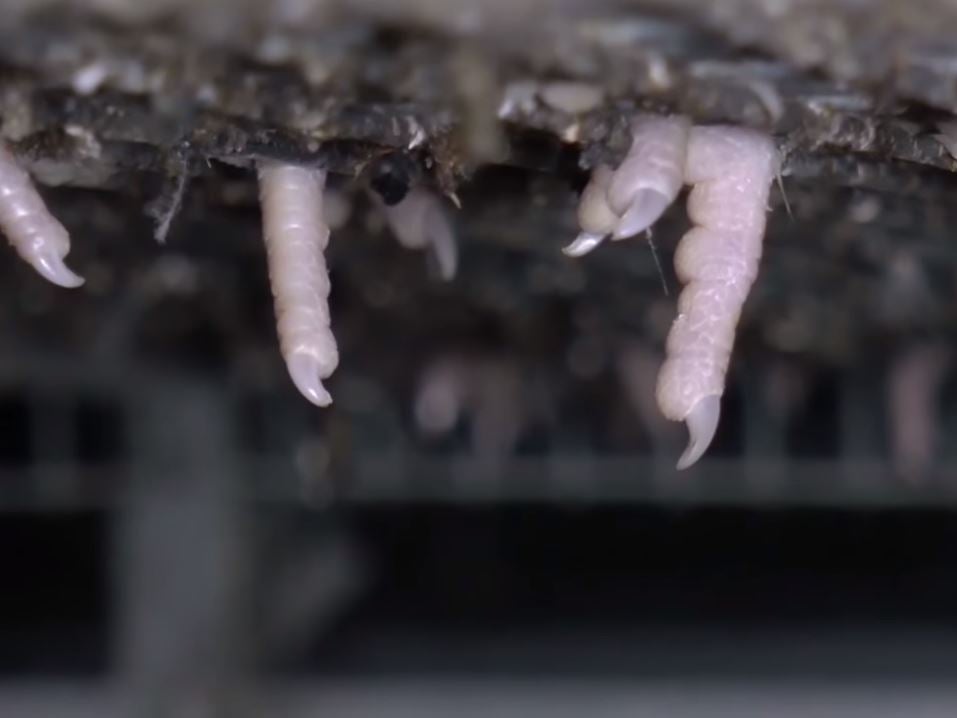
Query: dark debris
[[511, 125]]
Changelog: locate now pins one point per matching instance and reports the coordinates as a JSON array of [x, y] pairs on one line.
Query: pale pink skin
[[487, 389], [419, 222], [626, 201], [637, 367], [36, 235], [731, 170], [651, 176], [296, 236], [595, 216], [913, 389]]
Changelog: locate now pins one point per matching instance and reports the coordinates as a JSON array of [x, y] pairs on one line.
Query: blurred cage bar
[[184, 536]]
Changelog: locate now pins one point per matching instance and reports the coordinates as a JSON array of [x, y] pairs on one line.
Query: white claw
[[584, 243], [702, 424], [305, 371], [629, 199], [419, 222], [36, 235], [51, 267], [296, 234], [731, 170], [646, 207]]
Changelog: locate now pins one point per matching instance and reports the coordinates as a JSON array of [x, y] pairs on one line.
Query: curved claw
[[51, 267], [584, 243], [304, 370], [644, 210], [702, 424]]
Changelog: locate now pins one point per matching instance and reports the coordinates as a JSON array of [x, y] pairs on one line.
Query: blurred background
[[487, 521]]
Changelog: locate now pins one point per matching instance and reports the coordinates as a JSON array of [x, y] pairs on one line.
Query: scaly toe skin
[[584, 243], [52, 268], [702, 424], [304, 370], [645, 209]]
